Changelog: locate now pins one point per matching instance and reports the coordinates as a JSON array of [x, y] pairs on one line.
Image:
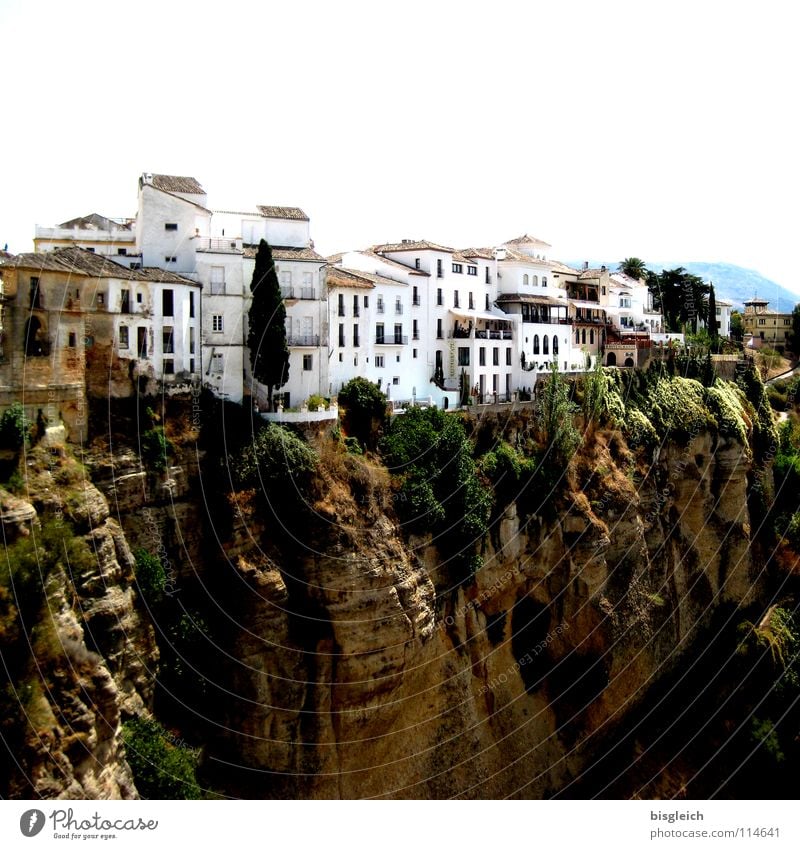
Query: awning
[[587, 305], [485, 316], [525, 298]]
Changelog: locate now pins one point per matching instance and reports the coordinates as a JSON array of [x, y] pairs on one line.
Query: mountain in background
[[731, 282]]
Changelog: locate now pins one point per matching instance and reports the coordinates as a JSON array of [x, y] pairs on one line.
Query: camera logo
[[31, 822]]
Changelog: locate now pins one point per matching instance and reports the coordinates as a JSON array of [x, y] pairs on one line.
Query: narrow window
[[166, 302], [308, 362], [171, 226], [167, 344], [123, 338]]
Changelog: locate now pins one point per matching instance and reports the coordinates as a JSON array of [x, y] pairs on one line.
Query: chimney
[[602, 268], [586, 265]]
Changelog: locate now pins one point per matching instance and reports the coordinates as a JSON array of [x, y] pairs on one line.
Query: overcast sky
[[661, 130]]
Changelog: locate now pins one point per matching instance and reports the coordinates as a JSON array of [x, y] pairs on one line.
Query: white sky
[[662, 130]]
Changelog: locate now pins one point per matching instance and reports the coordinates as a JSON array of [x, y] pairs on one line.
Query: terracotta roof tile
[[291, 212], [93, 222], [410, 245], [349, 278], [177, 185], [287, 254], [525, 239]]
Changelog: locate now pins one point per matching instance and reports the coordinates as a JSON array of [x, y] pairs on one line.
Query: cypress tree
[[266, 335], [713, 329]]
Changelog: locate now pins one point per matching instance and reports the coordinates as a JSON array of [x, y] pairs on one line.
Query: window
[[415, 297], [217, 364], [439, 270], [356, 310], [167, 342], [341, 305], [170, 259], [217, 279], [495, 356], [356, 341], [308, 362], [591, 337], [125, 305], [169, 366], [414, 353], [481, 356], [90, 250], [398, 306], [122, 251], [286, 278], [545, 345], [524, 279], [762, 321], [379, 333], [458, 268], [463, 356], [191, 365], [366, 301], [395, 381], [101, 299], [416, 263], [166, 302], [191, 303], [438, 328], [472, 270], [191, 342], [555, 346], [415, 329], [341, 336], [380, 303], [455, 298], [535, 279], [171, 226], [577, 336], [536, 344], [602, 290], [123, 338], [379, 361], [544, 283], [487, 300], [583, 336], [216, 323], [488, 278], [508, 356], [88, 341], [471, 302], [73, 339], [439, 298], [786, 321], [398, 334]]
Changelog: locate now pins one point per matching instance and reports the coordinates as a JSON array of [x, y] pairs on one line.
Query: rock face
[[95, 668], [364, 670]]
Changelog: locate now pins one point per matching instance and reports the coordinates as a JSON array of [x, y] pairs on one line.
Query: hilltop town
[[160, 301]]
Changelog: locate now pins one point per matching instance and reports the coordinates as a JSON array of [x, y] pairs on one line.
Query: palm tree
[[633, 267]]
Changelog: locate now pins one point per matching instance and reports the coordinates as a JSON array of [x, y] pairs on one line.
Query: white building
[[111, 237]]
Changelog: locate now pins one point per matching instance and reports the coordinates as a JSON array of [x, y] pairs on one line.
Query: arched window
[[577, 336], [629, 362], [544, 281], [545, 345], [535, 280], [591, 336], [34, 346], [536, 344], [611, 359], [524, 279], [555, 346], [583, 336]]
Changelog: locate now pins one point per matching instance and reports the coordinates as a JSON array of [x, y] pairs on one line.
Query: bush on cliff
[[276, 460], [364, 409]]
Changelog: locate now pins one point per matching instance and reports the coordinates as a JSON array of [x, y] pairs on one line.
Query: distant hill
[[731, 282]]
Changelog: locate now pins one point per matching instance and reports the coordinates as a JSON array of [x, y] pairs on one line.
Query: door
[[141, 342]]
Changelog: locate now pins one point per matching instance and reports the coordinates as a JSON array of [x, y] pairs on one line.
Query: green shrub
[[156, 449], [150, 576], [315, 402], [365, 409], [15, 429], [276, 459], [161, 769], [554, 418]]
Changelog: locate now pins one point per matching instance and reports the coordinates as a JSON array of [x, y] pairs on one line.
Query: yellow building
[[766, 327]]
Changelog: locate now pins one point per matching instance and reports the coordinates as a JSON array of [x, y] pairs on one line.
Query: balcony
[[287, 293], [356, 312], [300, 341], [415, 301], [396, 339], [219, 246], [398, 309], [380, 308], [415, 335], [308, 293]]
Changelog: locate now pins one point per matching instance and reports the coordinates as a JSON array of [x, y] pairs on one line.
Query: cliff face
[[94, 655], [364, 670]]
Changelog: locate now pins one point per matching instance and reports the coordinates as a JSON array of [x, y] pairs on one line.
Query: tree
[[737, 326], [266, 335], [365, 409], [679, 296], [712, 324], [794, 341], [633, 267]]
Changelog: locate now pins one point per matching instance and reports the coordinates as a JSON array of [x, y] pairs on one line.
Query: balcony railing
[[493, 334], [308, 293], [219, 246], [415, 301], [391, 340], [415, 335], [287, 293], [398, 309], [303, 341], [381, 308]]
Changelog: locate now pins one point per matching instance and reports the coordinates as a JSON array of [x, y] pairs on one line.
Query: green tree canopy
[[680, 296], [633, 267], [266, 335]]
